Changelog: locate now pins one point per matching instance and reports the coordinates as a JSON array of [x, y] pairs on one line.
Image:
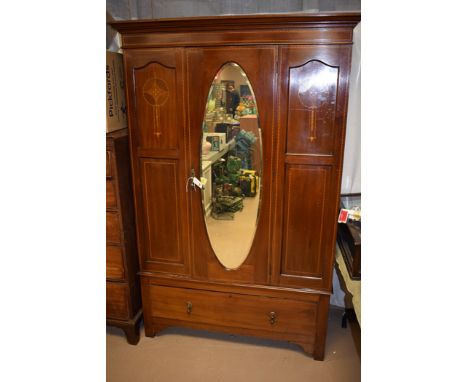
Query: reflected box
[[228, 129], [215, 142]]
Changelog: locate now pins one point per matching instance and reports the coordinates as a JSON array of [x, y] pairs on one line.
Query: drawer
[[113, 232], [114, 263], [234, 310], [117, 300], [111, 198], [108, 164]]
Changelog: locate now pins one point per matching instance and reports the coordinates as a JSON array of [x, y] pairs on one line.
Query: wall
[[234, 74], [147, 9], [351, 180]]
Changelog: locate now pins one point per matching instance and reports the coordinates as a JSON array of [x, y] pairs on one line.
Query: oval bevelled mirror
[[231, 165]]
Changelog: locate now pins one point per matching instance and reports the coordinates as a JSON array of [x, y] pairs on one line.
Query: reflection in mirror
[[231, 165]]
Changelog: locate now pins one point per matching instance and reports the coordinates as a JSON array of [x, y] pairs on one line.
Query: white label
[[197, 182]]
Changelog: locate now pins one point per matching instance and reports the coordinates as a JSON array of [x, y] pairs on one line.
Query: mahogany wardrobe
[[297, 66]]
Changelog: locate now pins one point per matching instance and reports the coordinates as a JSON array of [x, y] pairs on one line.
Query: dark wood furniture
[[349, 238], [352, 299], [298, 67], [123, 303]]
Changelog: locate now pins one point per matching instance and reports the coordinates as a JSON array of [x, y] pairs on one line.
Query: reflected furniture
[[298, 67], [123, 298], [349, 237], [206, 192], [250, 123], [352, 299]]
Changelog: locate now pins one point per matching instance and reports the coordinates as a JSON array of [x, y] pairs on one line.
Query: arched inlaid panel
[[312, 108], [156, 102]]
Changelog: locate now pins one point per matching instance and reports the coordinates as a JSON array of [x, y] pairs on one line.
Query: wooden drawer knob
[[189, 307], [273, 318]]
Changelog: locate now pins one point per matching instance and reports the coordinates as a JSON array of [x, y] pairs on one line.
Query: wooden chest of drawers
[[123, 302]]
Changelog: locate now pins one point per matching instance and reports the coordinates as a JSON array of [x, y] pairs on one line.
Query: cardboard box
[[116, 111]]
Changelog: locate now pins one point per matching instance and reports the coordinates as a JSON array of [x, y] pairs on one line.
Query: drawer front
[[230, 309], [114, 263], [117, 301], [113, 232], [111, 198]]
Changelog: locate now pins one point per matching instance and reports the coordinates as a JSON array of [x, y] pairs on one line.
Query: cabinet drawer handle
[[273, 317], [189, 307]]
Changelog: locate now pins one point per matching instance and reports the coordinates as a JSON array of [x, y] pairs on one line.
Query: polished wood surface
[[115, 268], [113, 231], [163, 220], [156, 99], [302, 28], [117, 297], [322, 21], [314, 108], [159, 153], [123, 303], [298, 66], [263, 313], [302, 248], [111, 198], [311, 103], [204, 63]]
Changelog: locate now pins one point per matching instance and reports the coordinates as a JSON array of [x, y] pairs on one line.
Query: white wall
[[351, 181]]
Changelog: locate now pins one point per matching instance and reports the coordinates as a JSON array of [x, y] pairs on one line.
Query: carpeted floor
[[179, 354]]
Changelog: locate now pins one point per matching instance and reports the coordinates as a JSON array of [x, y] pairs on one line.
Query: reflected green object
[[232, 170]]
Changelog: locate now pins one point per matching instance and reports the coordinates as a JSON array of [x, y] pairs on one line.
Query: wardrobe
[[297, 66]]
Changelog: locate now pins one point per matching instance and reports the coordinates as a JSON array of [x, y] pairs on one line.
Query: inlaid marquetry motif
[[156, 93], [312, 102], [157, 103]]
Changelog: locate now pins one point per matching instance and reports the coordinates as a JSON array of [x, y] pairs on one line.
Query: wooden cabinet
[[298, 67], [123, 302]]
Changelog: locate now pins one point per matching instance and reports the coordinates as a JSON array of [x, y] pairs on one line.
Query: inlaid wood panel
[[157, 103], [304, 208], [157, 125], [312, 108], [163, 214], [312, 83]]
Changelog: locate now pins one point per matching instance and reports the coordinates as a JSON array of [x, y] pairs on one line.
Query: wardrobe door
[[313, 83], [156, 102], [258, 65]]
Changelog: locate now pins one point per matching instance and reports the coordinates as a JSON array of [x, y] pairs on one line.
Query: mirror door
[[231, 165], [231, 98]]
